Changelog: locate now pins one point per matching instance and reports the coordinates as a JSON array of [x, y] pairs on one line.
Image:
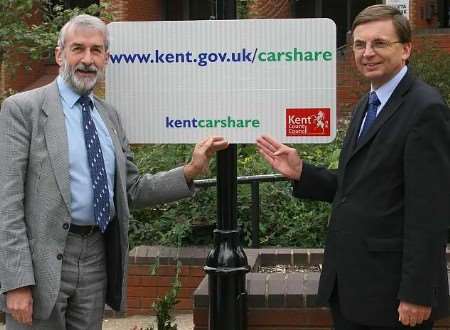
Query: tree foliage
[[13, 26], [432, 64], [31, 27]]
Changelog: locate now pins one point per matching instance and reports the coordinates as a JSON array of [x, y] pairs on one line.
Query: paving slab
[[183, 321]]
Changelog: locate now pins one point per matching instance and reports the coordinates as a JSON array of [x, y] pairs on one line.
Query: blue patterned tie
[[96, 165], [371, 115]]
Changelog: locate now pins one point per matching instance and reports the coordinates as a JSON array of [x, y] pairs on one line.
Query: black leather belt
[[83, 231]]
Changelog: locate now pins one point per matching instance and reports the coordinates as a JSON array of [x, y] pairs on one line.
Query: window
[[342, 12], [179, 10], [79, 3]]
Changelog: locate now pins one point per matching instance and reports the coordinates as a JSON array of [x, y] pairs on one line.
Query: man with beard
[[385, 263], [68, 181]]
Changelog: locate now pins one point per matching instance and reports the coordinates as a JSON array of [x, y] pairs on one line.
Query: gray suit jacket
[[35, 197]]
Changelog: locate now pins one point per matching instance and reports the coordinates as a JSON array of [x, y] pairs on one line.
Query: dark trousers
[[342, 323]]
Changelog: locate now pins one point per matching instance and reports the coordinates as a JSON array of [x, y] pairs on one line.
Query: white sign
[[402, 5], [178, 82]]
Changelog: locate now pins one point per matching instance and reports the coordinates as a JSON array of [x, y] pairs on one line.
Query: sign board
[[178, 82], [402, 5]]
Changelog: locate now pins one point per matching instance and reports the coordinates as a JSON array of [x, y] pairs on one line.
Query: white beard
[[84, 85]]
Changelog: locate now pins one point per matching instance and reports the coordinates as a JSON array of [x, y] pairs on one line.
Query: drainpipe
[[226, 264]]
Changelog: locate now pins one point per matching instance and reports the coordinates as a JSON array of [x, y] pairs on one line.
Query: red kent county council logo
[[308, 122]]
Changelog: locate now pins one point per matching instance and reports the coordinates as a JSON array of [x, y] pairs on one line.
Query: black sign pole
[[226, 264]]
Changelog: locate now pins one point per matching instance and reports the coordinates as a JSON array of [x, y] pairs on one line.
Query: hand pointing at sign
[[282, 158]]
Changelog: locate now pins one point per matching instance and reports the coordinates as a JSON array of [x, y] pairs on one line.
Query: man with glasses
[[385, 258]]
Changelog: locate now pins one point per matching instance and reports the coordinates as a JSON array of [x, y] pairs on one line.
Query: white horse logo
[[320, 121]]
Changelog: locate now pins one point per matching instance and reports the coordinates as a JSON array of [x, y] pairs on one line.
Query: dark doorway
[[305, 8], [357, 5], [202, 9], [342, 12], [182, 10], [173, 10], [79, 3], [337, 11], [444, 13]]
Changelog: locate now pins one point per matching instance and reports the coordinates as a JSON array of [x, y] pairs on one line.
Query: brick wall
[[439, 38], [350, 84], [289, 319], [281, 301], [119, 9], [277, 319], [422, 14], [144, 288], [22, 76], [137, 10], [269, 9], [2, 78]]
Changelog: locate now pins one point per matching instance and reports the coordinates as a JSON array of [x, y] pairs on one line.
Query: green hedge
[[285, 221], [432, 64]]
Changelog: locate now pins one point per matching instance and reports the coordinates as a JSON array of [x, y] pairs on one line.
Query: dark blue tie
[[96, 165], [371, 114]]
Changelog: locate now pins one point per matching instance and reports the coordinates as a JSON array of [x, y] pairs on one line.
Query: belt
[[83, 231]]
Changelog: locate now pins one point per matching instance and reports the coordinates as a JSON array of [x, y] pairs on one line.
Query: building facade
[[429, 18]]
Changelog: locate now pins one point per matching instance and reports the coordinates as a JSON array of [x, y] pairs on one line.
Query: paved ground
[[183, 321]]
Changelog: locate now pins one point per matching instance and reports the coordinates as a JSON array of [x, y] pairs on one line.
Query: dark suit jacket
[[387, 234]]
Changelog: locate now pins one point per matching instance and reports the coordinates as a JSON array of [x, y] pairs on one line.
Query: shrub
[[432, 64], [285, 221]]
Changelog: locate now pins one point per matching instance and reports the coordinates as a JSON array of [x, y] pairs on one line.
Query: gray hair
[[84, 21]]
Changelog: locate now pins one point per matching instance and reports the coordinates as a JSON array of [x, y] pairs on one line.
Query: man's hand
[[410, 314], [19, 302], [281, 157], [201, 155]]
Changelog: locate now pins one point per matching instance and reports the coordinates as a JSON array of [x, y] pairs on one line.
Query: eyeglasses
[[376, 45]]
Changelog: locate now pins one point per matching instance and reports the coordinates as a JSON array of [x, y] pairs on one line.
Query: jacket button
[[66, 226], [59, 256]]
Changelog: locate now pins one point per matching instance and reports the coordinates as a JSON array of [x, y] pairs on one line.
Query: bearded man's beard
[[81, 85]]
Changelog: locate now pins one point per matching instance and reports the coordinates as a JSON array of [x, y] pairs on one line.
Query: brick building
[[428, 18]]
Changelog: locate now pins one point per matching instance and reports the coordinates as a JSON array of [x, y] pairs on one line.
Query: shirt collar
[[385, 91], [68, 94]]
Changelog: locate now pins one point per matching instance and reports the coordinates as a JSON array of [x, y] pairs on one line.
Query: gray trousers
[[81, 299]]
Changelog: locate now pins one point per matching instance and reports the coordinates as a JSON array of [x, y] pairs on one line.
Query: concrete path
[[183, 321]]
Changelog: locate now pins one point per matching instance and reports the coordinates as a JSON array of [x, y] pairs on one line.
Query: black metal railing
[[254, 181]]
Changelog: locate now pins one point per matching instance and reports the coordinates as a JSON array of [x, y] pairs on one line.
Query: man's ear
[[58, 55], [407, 48]]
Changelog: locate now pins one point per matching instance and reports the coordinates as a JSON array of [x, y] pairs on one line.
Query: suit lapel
[[120, 164], [353, 130], [389, 109], [56, 139]]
